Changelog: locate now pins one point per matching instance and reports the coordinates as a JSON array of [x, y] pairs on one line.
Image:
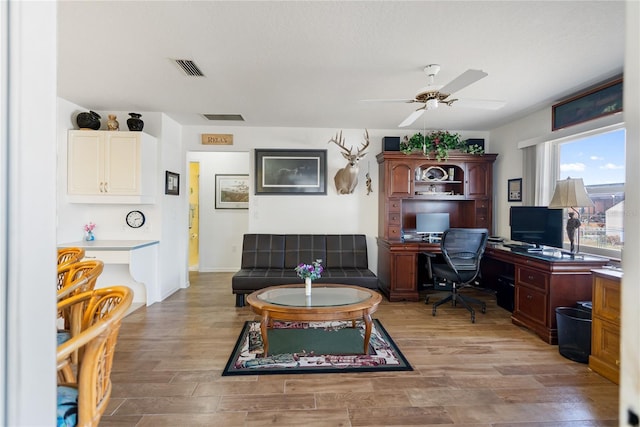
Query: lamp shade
[[570, 193]]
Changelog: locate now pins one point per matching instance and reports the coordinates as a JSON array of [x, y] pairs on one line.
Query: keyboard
[[522, 247]]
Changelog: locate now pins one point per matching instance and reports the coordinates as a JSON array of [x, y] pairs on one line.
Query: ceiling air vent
[[234, 117], [189, 67]]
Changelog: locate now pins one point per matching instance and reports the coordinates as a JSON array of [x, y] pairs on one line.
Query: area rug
[[314, 348]]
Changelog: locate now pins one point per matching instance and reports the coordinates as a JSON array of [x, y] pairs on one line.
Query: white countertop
[[110, 245]]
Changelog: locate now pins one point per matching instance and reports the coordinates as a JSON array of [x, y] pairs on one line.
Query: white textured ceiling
[[310, 63]]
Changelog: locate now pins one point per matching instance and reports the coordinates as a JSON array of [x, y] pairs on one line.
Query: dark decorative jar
[[135, 123], [90, 120]]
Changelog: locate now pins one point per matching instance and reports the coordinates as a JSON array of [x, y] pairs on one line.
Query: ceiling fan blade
[[412, 118], [485, 104], [463, 80], [408, 101]]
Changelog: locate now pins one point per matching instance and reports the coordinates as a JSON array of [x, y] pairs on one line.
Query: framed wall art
[[291, 171], [232, 191], [514, 190], [601, 101], [171, 183]]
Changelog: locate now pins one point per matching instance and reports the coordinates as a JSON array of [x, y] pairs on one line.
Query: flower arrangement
[[438, 142], [88, 231], [312, 271]]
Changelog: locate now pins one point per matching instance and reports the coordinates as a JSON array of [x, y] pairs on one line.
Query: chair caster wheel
[[426, 300], [484, 309], [473, 319], [433, 311]]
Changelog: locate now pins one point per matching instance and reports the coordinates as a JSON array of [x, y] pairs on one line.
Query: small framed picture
[[232, 191], [514, 190], [171, 183]]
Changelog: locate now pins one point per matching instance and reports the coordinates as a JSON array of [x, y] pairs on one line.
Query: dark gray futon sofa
[[271, 259]]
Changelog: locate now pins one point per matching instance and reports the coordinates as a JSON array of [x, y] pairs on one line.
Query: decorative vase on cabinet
[[135, 123], [88, 120]]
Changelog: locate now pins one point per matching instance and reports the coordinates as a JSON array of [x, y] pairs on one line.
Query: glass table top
[[320, 296]]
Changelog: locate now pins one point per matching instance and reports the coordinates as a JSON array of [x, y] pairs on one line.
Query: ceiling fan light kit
[[432, 104]]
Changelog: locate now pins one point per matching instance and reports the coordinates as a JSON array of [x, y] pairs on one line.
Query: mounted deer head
[[346, 178]]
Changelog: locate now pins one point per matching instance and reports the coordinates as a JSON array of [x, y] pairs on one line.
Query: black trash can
[[574, 333]]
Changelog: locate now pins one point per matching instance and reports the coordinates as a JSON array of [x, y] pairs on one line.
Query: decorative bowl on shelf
[[434, 173]]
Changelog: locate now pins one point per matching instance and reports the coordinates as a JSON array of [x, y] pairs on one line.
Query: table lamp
[[570, 193]]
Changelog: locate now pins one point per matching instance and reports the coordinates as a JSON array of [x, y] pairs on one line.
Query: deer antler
[[339, 140], [365, 144]]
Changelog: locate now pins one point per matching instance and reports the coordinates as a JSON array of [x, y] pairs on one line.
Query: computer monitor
[[432, 223], [536, 225]]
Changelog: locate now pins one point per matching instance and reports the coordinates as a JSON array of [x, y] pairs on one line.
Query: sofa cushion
[[262, 251], [252, 279], [347, 251], [304, 249]]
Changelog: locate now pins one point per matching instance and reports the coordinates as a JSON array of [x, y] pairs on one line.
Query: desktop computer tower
[[505, 292]]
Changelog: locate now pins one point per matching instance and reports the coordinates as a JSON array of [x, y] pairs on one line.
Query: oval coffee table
[[326, 302]]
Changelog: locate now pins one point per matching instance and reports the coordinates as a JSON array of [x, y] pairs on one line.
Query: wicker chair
[[77, 277], [69, 255], [83, 396], [73, 279]]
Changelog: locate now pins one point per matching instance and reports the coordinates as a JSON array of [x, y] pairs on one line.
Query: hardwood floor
[[169, 357]]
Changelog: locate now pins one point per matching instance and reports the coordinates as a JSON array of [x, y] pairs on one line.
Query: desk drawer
[[606, 299], [531, 303], [394, 205], [394, 232], [532, 278], [394, 218], [108, 257]]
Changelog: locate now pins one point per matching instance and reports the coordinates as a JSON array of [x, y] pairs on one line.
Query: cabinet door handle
[[530, 277], [529, 296], [101, 187], [106, 187]]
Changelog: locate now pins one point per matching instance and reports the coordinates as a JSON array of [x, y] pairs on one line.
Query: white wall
[[162, 218], [27, 213], [331, 213], [174, 220], [630, 347], [110, 219], [221, 230]]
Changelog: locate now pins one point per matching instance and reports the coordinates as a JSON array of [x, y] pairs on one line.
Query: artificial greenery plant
[[439, 142]]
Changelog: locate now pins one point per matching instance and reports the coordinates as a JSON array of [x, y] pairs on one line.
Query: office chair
[[462, 249]]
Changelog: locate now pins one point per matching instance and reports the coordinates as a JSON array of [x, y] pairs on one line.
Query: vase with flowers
[[88, 232], [309, 272]]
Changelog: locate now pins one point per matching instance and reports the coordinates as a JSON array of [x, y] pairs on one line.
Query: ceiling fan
[[433, 95]]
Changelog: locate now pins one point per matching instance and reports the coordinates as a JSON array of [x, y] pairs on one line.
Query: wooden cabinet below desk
[[543, 282], [605, 329]]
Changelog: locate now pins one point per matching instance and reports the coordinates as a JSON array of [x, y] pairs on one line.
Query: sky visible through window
[[598, 159]]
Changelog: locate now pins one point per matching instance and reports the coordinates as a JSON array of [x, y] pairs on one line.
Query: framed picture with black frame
[[514, 190], [232, 191], [171, 183], [284, 171]]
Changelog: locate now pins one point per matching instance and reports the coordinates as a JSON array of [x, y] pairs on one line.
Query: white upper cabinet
[[111, 167]]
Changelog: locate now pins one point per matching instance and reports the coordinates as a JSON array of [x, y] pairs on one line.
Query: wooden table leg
[[264, 323], [367, 332]]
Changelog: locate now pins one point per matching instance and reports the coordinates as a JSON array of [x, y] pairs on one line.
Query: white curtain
[[539, 173]]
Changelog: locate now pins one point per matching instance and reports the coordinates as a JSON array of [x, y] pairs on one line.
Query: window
[[599, 159]]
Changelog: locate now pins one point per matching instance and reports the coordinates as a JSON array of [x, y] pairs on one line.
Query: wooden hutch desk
[[408, 187]]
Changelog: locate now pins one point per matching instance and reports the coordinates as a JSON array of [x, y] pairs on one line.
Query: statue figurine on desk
[[572, 227]]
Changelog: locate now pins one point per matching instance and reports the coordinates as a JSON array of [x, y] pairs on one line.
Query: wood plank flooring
[[169, 358]]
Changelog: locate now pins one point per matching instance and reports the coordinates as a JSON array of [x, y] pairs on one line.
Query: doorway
[[194, 216]]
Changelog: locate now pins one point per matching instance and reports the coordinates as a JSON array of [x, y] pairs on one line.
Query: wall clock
[[135, 219]]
